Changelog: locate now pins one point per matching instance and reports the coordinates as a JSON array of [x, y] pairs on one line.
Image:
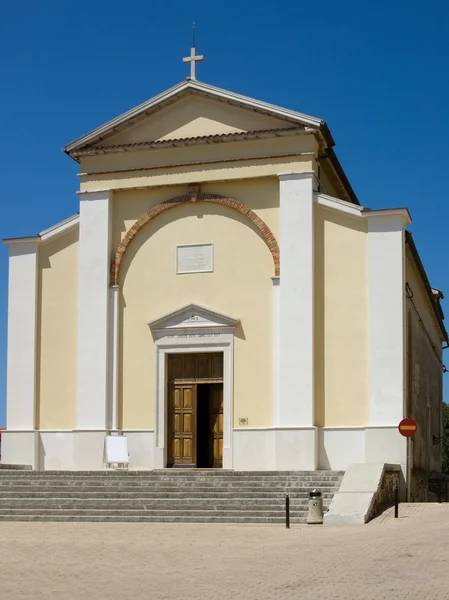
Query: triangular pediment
[[192, 116], [193, 316], [192, 110]]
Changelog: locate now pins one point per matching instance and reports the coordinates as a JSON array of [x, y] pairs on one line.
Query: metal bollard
[[287, 511], [315, 516], [396, 502]]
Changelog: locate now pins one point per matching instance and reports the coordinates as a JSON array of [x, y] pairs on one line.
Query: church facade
[[222, 299]]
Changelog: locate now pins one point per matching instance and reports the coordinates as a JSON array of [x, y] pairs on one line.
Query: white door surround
[[193, 328]]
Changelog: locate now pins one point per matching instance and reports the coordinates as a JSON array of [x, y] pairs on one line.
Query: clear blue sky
[[376, 72]]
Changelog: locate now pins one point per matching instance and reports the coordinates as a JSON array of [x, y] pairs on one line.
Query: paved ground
[[404, 558]]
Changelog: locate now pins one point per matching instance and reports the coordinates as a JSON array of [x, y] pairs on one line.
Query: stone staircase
[[189, 496]]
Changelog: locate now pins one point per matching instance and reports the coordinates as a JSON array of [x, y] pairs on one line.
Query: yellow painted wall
[[217, 162], [261, 195], [129, 205], [341, 320], [193, 116], [240, 286], [57, 332]]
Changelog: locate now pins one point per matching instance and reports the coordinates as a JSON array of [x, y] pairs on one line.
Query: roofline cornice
[[433, 301], [47, 234], [382, 213], [193, 141], [328, 155], [27, 239]]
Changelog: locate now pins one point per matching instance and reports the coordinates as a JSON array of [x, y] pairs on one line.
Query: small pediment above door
[[193, 316]]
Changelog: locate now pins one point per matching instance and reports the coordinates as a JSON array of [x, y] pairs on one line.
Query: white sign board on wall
[[195, 258], [116, 449]]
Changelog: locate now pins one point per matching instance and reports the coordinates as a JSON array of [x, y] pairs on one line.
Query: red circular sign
[[407, 427]]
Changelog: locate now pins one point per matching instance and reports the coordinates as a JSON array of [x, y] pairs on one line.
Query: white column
[[296, 406], [386, 321], [93, 310], [22, 326], [228, 404], [114, 357], [276, 352]]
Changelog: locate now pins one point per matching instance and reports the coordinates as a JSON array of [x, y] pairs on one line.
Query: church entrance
[[195, 410]]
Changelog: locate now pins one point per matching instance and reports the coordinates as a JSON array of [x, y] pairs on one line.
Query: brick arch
[[194, 197]]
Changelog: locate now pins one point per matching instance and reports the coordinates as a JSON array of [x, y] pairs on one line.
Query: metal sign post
[[408, 428]]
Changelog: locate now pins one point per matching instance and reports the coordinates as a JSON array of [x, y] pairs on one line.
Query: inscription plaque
[[195, 258]]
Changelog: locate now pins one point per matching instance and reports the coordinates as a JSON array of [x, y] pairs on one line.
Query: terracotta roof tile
[[219, 137]]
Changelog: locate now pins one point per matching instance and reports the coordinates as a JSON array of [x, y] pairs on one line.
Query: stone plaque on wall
[[195, 258]]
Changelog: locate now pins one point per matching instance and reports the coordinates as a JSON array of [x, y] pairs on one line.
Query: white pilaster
[[276, 351], [386, 320], [296, 406], [114, 357], [22, 325], [93, 309]]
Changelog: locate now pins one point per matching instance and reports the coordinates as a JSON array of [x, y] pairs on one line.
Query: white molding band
[[386, 319], [48, 234], [253, 449], [296, 402], [22, 343], [360, 212], [93, 310], [339, 205], [59, 229]]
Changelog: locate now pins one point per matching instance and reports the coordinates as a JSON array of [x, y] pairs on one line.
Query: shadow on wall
[[40, 449]]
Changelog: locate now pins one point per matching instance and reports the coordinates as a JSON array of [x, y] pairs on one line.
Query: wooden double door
[[195, 410]]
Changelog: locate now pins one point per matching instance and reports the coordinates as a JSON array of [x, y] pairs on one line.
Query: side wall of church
[[239, 286], [424, 380], [57, 332], [341, 320], [326, 186]]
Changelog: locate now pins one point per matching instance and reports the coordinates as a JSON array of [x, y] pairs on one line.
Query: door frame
[[192, 328], [161, 417]]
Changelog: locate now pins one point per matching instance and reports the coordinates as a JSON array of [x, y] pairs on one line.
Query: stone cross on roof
[[193, 58]]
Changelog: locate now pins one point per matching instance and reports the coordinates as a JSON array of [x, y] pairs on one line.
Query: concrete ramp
[[365, 492]]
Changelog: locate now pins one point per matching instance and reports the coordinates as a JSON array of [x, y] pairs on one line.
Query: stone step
[[162, 496], [165, 492], [101, 493], [183, 480], [157, 512], [167, 473], [154, 519], [303, 485], [177, 484], [183, 474], [134, 503], [70, 489]]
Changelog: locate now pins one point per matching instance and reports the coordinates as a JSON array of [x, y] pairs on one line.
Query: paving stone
[[405, 558]]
